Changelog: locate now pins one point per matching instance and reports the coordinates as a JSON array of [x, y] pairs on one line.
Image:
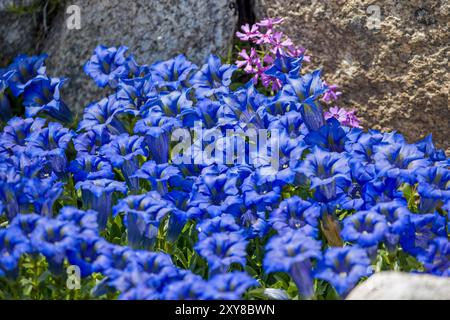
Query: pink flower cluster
[[347, 118], [271, 42]]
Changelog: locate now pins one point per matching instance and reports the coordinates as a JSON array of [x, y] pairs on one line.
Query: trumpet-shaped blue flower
[[330, 137], [223, 223], [285, 66], [97, 195], [296, 214], [17, 131], [329, 173], [10, 187], [85, 220], [434, 187], [365, 228], [213, 78], [51, 143], [91, 141], [157, 132], [399, 161], [292, 252], [105, 114], [5, 104], [43, 96], [160, 176], [108, 65], [52, 238], [41, 194], [136, 92], [398, 219], [85, 251], [26, 222], [13, 243], [143, 214], [436, 260], [25, 69], [343, 268], [172, 74], [190, 287], [228, 286], [425, 228], [261, 189], [90, 167], [221, 250], [123, 152]]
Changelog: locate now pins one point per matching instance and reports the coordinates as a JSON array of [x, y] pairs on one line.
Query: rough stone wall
[[392, 67], [17, 29], [153, 30]]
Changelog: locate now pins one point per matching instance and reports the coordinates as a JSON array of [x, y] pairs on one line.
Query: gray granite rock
[[402, 286], [152, 29], [391, 59], [17, 28]]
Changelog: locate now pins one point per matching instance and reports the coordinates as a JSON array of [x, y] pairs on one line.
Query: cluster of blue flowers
[[338, 197]]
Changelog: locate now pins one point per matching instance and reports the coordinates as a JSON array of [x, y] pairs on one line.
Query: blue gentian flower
[[97, 195], [330, 137], [172, 74], [292, 252], [213, 78], [136, 92], [377, 191], [52, 238], [157, 132], [108, 65], [143, 214], [85, 251], [426, 227], [5, 104], [160, 176], [436, 260], [113, 259], [223, 223], [434, 187], [105, 114], [329, 173], [229, 286], [211, 191], [85, 220], [25, 69], [26, 222], [169, 105], [398, 219], [51, 143], [343, 268], [245, 105], [427, 147], [399, 161], [261, 189], [221, 250], [296, 214], [123, 152], [190, 287], [10, 187], [285, 66], [13, 243], [41, 194], [91, 141], [90, 167], [43, 96], [365, 228], [18, 130]]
